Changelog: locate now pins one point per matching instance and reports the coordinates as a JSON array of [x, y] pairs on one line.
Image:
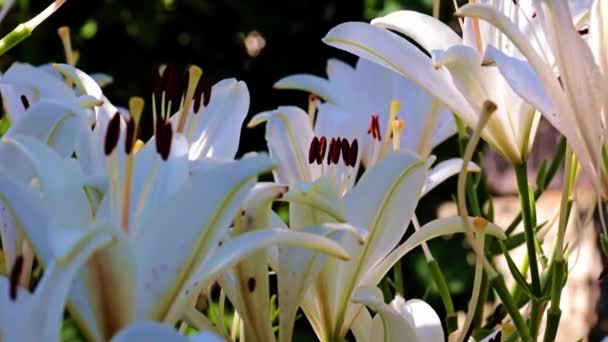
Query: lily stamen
[[395, 106], [313, 102], [194, 75], [477, 31], [397, 125], [136, 106], [66, 41]]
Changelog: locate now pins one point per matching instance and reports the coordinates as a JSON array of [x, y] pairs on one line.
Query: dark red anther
[[14, 277], [169, 82], [313, 151], [130, 139], [153, 84], [377, 127], [346, 152], [332, 147], [112, 134], [374, 127], [322, 150], [354, 153], [164, 137], [202, 94], [25, 102], [335, 155]]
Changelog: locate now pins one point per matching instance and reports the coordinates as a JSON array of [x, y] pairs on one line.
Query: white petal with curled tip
[[431, 230], [197, 228], [85, 83], [44, 84], [444, 170], [389, 50], [309, 83], [288, 135], [217, 130], [44, 309], [425, 30], [156, 332], [61, 182], [395, 327], [425, 320], [235, 249]]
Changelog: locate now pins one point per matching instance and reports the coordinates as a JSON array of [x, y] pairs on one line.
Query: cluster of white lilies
[[130, 233]]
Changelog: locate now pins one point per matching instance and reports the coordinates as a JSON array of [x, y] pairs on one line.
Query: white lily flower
[[576, 104], [325, 288], [247, 284], [209, 116], [454, 74], [187, 229], [38, 316], [412, 321], [364, 93], [152, 196]]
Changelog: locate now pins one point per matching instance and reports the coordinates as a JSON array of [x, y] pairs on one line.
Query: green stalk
[[558, 157], [554, 313], [529, 221], [498, 283], [451, 319]]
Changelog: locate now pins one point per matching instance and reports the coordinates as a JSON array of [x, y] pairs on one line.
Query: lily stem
[[554, 313], [529, 221]]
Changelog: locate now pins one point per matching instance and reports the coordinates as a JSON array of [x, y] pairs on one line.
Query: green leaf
[[517, 276]]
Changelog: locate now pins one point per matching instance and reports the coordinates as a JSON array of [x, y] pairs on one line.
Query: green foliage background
[[128, 39]]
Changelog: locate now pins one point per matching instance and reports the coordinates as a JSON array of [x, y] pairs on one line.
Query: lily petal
[[293, 285], [444, 170], [395, 326], [217, 129], [524, 81], [161, 276], [288, 134], [59, 182], [45, 307], [431, 230], [391, 51], [383, 202], [234, 250], [309, 83], [417, 26]]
